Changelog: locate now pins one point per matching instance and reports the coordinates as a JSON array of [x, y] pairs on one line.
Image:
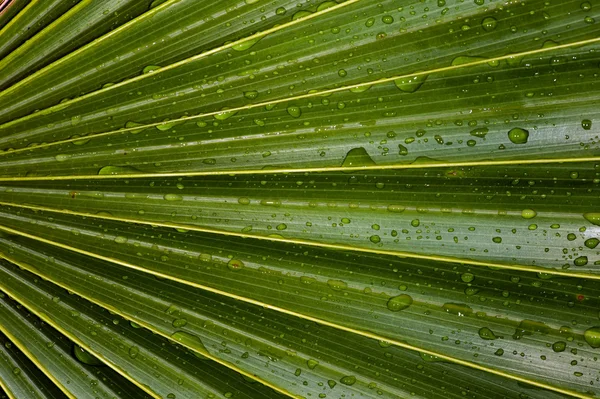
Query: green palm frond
[[270, 199]]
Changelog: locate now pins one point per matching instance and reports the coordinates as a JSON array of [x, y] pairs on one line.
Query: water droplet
[[489, 24], [120, 239], [312, 364], [593, 218], [581, 261], [399, 302], [251, 95], [529, 327], [357, 157], [246, 44], [592, 336], [173, 197], [337, 285], [150, 69], [189, 340], [294, 111], [134, 352], [592, 243], [225, 115], [396, 208], [528, 213], [487, 334], [410, 84], [467, 277], [480, 132], [177, 323], [235, 264], [243, 201], [132, 125], [62, 157], [85, 357], [559, 346], [375, 239], [348, 380], [586, 124], [118, 170], [518, 135]]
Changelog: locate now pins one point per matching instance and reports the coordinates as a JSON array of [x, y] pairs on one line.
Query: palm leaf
[[289, 199]]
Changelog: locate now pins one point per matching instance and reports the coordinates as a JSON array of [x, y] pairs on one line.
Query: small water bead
[[487, 334], [179, 323], [387, 19], [518, 135], [120, 239], [150, 69], [375, 239], [348, 380], [235, 264], [400, 302], [225, 114], [559, 346], [467, 277], [342, 73], [480, 132], [243, 46], [586, 124], [528, 213], [134, 352], [489, 24], [294, 111], [251, 95], [62, 157], [173, 197], [581, 261], [312, 364]]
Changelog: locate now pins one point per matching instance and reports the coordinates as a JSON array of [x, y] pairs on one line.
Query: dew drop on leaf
[[518, 135], [400, 302]]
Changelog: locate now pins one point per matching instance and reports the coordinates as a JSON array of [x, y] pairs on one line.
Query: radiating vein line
[[7, 391], [233, 172], [255, 36], [341, 247], [31, 356], [16, 17], [137, 321], [303, 316], [311, 94]]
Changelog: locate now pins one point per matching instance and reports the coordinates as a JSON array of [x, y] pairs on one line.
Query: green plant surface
[[270, 199]]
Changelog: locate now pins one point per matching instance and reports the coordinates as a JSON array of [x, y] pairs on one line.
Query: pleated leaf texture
[[299, 199]]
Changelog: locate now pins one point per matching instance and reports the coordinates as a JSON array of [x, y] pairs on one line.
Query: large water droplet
[[225, 114], [399, 302], [518, 135], [118, 170], [85, 357], [246, 45], [357, 157], [235, 264], [489, 24], [294, 111], [348, 380], [487, 334], [593, 218], [592, 336], [410, 84]]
